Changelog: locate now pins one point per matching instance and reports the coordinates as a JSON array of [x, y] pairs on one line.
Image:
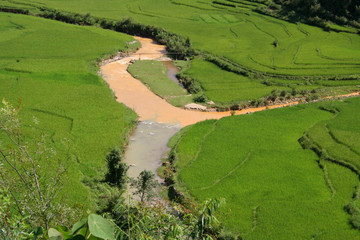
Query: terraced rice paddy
[[50, 66], [237, 33], [286, 54], [286, 173], [274, 188], [223, 87]]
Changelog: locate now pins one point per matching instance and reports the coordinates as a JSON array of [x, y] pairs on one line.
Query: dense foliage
[[32, 172], [340, 12], [117, 171]]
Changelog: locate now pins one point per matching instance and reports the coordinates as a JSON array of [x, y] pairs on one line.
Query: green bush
[[116, 174], [201, 98]]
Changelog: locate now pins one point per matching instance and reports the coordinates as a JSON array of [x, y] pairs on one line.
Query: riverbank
[[151, 107]]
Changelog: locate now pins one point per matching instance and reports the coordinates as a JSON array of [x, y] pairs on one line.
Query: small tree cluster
[[116, 174], [145, 185]]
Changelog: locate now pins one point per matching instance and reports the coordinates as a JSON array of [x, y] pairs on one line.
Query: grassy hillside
[[50, 66], [236, 32], [274, 188], [267, 52], [224, 87]]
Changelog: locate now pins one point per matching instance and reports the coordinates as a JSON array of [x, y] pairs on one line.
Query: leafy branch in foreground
[[31, 171], [166, 220]]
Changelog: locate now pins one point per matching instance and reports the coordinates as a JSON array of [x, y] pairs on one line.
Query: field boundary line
[[56, 115], [340, 142], [350, 39], [201, 144], [296, 54], [233, 32], [255, 220], [286, 30], [302, 30], [261, 30], [261, 64], [17, 26], [193, 6], [139, 13], [319, 53], [323, 167], [226, 175]]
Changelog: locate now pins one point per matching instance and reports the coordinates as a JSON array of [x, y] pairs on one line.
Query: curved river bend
[[159, 119]]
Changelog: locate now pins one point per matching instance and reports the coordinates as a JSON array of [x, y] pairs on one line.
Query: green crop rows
[[222, 86], [289, 173], [289, 54], [274, 188], [253, 40]]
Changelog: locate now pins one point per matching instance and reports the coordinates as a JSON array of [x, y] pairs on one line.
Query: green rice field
[[237, 33], [286, 54], [50, 67], [222, 86], [274, 188], [225, 87], [287, 173]]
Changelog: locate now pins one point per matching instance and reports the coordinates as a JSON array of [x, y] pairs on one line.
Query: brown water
[[145, 103], [138, 97], [159, 119]]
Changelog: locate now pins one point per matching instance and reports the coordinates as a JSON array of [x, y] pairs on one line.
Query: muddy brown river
[[159, 120]]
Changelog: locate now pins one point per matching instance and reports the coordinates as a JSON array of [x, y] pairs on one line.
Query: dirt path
[[145, 103]]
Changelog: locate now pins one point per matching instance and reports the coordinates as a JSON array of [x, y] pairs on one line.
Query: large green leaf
[[77, 226], [65, 232], [100, 227]]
